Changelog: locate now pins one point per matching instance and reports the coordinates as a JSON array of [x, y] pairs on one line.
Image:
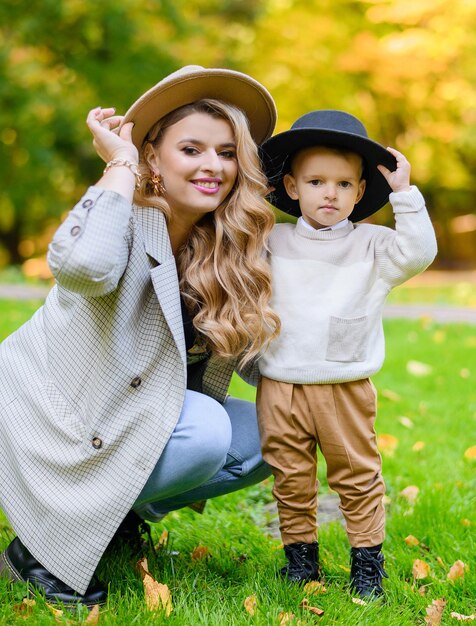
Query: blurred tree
[[406, 68], [58, 59]]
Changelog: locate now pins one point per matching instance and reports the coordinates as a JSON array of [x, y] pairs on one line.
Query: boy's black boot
[[303, 562], [130, 533], [366, 571]]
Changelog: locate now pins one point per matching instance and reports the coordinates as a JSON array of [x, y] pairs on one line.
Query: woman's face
[[196, 159]]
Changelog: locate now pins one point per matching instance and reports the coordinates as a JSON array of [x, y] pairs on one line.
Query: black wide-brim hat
[[333, 129]]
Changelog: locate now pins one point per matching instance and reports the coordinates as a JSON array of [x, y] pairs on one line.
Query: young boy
[[330, 281]]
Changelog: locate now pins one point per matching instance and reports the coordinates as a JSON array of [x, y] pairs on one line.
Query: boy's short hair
[[340, 150]]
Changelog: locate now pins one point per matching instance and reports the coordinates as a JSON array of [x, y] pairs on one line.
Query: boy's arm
[[412, 246]]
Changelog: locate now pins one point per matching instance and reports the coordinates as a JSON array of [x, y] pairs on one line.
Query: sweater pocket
[[347, 339]]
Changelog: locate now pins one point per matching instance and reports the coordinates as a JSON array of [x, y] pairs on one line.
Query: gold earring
[[157, 184]]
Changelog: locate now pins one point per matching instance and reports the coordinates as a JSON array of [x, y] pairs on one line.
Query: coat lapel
[[163, 271]]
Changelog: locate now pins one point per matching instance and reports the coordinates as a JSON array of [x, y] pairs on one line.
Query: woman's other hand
[[108, 141]]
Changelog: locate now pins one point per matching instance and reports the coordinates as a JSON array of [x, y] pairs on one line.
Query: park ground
[[219, 568]]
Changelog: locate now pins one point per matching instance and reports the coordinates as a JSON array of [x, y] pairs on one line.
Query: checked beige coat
[[92, 386]]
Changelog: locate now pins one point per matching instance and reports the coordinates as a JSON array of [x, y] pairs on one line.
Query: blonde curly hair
[[224, 277]]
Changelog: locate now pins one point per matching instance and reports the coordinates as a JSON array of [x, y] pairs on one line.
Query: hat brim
[[184, 88], [277, 153]]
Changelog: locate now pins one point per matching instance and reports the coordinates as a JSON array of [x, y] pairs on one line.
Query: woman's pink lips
[[206, 190]]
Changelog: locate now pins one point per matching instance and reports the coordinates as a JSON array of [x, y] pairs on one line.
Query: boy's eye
[[345, 184], [315, 182]]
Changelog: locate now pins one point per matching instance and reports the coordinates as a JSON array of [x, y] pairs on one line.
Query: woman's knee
[[208, 431]]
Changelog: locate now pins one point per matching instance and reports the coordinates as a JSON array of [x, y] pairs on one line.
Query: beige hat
[[193, 82]]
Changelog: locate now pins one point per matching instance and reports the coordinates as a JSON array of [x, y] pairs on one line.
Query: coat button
[[135, 382], [75, 230], [87, 203], [97, 443]]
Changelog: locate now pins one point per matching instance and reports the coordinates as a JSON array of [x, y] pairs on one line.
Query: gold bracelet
[[120, 162]]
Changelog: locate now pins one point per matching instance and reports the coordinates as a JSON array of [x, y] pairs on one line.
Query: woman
[[113, 396]]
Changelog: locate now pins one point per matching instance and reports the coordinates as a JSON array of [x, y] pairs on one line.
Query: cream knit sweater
[[329, 289]]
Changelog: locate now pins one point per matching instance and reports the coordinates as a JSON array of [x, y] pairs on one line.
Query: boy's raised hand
[[399, 179]]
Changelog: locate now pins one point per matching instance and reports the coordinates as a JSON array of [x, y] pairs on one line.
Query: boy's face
[[326, 183]]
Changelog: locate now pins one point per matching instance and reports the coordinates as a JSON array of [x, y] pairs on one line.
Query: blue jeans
[[214, 449]]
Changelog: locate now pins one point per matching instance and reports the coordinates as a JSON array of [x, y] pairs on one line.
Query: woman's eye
[[228, 154], [190, 150]]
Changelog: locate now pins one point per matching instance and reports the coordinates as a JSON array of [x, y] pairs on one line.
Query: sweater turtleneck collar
[[323, 235]]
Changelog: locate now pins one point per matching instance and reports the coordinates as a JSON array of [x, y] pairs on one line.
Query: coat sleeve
[[411, 247], [250, 373], [89, 251]]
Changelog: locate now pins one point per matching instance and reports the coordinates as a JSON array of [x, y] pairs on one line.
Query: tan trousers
[[339, 418]]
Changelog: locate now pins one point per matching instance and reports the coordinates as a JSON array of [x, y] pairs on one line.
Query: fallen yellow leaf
[[420, 569], [93, 617], [250, 604], [312, 609], [157, 595], [418, 445], [387, 444], [466, 522], [464, 372], [417, 368], [439, 336], [462, 618], [410, 493], [285, 618], [390, 395], [405, 421], [359, 601], [200, 552], [163, 539], [456, 571], [346, 569], [411, 540], [143, 567], [56, 612], [434, 612], [315, 587], [470, 453], [25, 607], [59, 616]]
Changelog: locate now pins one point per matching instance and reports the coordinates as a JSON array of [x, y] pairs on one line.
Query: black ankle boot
[[303, 562], [130, 533], [17, 564], [366, 571]]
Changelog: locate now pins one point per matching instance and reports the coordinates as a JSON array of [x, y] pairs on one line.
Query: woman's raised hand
[[108, 141]]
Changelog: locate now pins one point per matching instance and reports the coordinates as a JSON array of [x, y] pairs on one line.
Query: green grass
[[438, 409]]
